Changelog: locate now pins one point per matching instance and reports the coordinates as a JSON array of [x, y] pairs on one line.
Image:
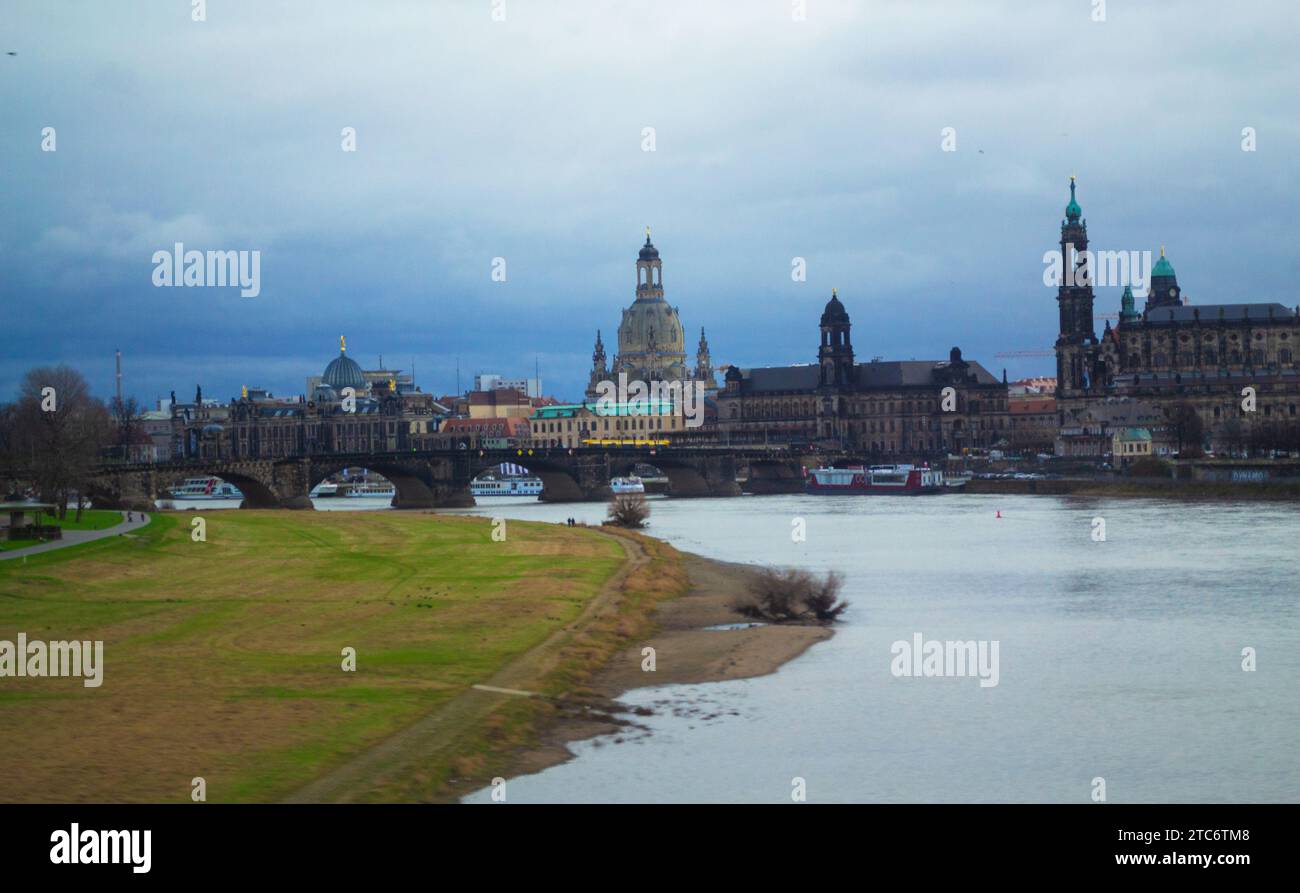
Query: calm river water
[[1119, 660]]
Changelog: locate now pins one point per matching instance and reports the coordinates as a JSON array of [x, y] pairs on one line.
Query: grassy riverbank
[[222, 658]]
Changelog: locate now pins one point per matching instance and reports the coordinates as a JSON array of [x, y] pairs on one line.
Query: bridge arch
[[258, 494], [411, 488], [684, 477], [770, 476], [560, 483]]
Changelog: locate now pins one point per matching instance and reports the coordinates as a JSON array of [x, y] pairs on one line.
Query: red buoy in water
[[999, 513]]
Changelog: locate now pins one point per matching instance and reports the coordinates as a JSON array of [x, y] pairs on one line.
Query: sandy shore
[[686, 651]]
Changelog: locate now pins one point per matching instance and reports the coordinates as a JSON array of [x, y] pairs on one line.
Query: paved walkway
[[73, 537]]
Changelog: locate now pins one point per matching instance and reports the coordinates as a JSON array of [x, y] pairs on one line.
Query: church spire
[[1072, 211], [703, 362], [599, 371], [1127, 311]]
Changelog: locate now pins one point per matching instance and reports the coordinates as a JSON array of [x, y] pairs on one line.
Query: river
[[1118, 659]]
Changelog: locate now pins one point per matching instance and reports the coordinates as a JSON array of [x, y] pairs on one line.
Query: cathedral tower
[[599, 371], [835, 356], [703, 362], [1077, 339], [1164, 290]]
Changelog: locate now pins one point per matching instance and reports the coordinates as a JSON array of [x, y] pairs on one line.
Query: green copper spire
[[1127, 312], [1072, 211]]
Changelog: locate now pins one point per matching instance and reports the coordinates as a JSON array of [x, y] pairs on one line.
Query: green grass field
[[222, 658]]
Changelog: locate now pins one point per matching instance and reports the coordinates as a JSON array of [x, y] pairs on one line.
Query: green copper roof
[[1072, 210], [1163, 267], [601, 408]]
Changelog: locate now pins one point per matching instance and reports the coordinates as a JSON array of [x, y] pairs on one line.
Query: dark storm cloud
[[522, 139]]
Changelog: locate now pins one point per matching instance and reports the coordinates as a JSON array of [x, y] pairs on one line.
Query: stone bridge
[[434, 479]]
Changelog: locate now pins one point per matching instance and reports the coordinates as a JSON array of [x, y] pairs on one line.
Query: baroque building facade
[[896, 408], [651, 338], [1172, 353], [381, 417]]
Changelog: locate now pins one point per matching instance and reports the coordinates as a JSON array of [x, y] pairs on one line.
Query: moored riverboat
[[876, 480]]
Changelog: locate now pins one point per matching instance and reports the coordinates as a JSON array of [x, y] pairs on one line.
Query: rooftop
[[1216, 312]]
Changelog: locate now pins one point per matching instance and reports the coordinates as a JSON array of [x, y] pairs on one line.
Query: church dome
[[834, 314], [343, 372], [648, 250], [1163, 267], [651, 325]]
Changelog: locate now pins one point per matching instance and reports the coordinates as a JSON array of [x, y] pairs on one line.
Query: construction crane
[[1026, 353]]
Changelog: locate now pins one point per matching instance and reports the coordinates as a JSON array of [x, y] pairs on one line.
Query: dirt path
[[76, 537], [439, 733]]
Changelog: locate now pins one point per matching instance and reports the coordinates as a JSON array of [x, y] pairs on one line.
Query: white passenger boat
[[205, 488], [528, 486], [630, 484], [371, 489]]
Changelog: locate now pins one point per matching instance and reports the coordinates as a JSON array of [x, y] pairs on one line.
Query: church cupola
[[835, 355], [1164, 290], [649, 271]]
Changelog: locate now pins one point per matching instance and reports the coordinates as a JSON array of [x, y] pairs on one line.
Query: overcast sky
[[522, 139]]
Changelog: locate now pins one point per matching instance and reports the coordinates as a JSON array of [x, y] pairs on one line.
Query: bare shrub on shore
[[628, 510], [784, 595]]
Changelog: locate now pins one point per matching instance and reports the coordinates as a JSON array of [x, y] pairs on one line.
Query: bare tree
[[59, 431], [127, 425], [10, 468], [1232, 434], [628, 510], [823, 598], [1186, 424], [790, 594]]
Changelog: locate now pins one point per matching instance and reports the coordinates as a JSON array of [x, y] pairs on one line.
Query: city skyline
[[394, 244]]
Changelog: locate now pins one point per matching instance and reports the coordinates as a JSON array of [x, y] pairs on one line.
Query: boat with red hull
[[878, 480]]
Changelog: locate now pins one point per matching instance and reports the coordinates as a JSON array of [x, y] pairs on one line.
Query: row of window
[[1266, 409], [1187, 358], [633, 423], [908, 407]]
